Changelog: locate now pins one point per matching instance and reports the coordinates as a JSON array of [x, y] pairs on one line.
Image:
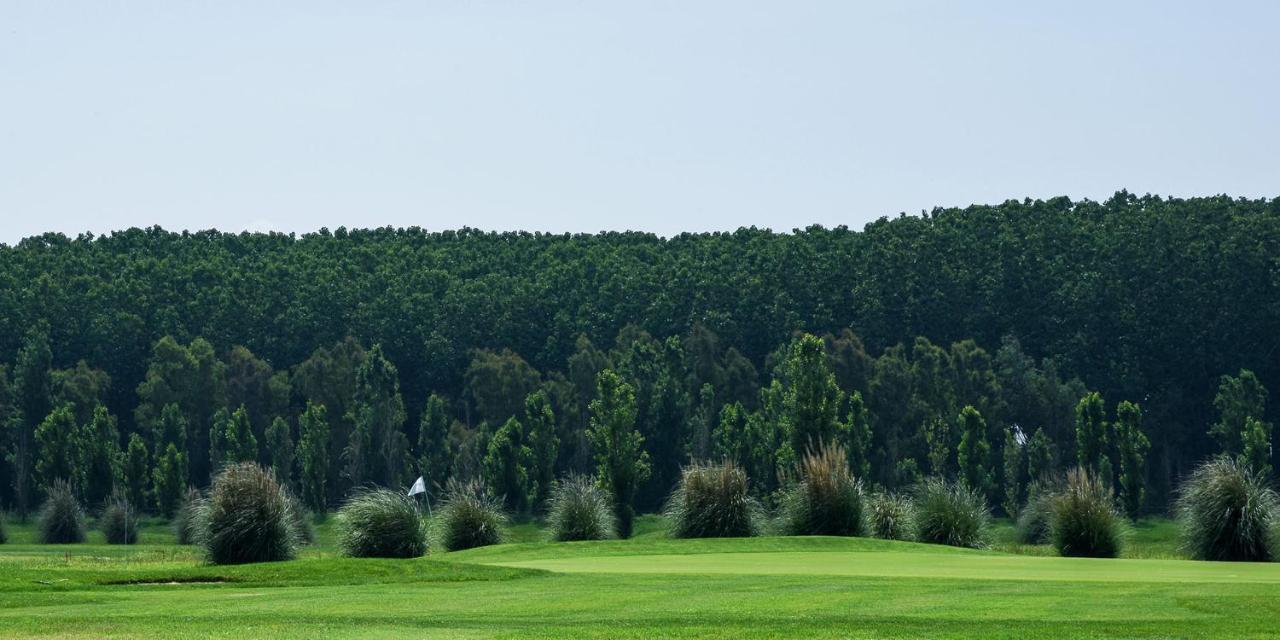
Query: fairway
[[646, 587]]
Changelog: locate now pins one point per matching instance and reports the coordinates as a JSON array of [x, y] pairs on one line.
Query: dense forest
[[992, 343]]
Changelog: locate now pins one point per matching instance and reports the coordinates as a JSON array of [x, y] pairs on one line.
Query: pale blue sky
[[582, 116]]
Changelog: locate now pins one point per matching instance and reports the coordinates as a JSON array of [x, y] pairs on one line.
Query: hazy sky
[[582, 116]]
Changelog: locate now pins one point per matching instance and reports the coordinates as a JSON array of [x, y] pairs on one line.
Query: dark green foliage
[[890, 516], [712, 501], [185, 385], [974, 453], [313, 455], [857, 431], [186, 521], [1091, 435], [247, 518], [1228, 512], [544, 446], [101, 461], [301, 519], [810, 398], [469, 517], [506, 466], [827, 500], [1014, 469], [579, 510], [621, 461], [280, 450], [61, 519], [1032, 526], [434, 454], [1256, 446], [58, 450], [951, 513], [119, 521], [4, 531], [231, 440], [380, 523], [137, 476], [32, 402], [1132, 447], [1239, 398], [1083, 520], [168, 479], [1039, 456], [378, 450]]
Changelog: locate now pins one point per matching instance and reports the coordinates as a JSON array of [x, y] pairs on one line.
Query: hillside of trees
[[1136, 336]]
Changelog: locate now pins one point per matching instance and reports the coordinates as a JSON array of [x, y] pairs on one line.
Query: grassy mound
[[469, 517], [247, 518], [712, 501], [891, 516], [1083, 519], [827, 501], [379, 523], [61, 520], [119, 522], [1228, 512], [579, 510], [952, 514]]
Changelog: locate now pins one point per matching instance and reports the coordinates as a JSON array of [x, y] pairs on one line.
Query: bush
[[186, 524], [891, 516], [61, 519], [827, 501], [1228, 512], [712, 501], [300, 517], [119, 522], [469, 517], [247, 518], [1083, 519], [1032, 526], [579, 510], [951, 514], [379, 523]]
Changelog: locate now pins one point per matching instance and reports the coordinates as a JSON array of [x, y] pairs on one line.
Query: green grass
[[646, 587]]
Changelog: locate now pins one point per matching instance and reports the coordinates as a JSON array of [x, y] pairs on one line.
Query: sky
[[649, 115]]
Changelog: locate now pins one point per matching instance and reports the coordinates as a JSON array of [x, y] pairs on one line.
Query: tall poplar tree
[[621, 461]]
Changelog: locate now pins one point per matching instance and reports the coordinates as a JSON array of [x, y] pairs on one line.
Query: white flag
[[419, 486]]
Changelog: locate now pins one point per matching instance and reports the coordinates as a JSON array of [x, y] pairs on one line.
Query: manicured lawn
[[647, 587]]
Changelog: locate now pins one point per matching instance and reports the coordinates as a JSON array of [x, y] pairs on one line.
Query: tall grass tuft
[[952, 514], [891, 516], [186, 524], [61, 519], [469, 517], [580, 510], [1083, 519], [300, 517], [827, 499], [379, 523], [712, 501], [247, 518], [1228, 512], [1032, 526], [119, 521]]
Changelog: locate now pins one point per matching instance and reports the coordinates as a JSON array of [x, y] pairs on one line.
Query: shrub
[[1032, 526], [119, 521], [579, 510], [891, 516], [247, 518], [61, 519], [1083, 519], [469, 517], [827, 500], [300, 517], [712, 501], [186, 524], [379, 523], [1227, 512], [951, 514]]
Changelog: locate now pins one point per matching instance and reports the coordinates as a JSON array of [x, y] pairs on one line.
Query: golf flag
[[419, 486]]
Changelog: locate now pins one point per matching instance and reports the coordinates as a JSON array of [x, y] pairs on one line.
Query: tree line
[[361, 357]]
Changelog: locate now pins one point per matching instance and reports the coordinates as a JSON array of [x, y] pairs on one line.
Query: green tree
[[379, 449], [137, 470], [100, 457], [1239, 398], [1132, 446], [327, 378], [974, 453], [82, 387], [937, 436], [1039, 456], [193, 379], [1015, 471], [621, 461], [498, 383], [544, 444], [313, 455], [1256, 445], [280, 450], [435, 457], [811, 399], [169, 478], [1092, 447], [507, 462], [58, 456], [32, 383], [857, 431]]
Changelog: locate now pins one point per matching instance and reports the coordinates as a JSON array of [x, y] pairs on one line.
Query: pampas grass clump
[[1083, 519], [712, 501], [379, 523], [247, 518], [119, 521], [891, 516], [61, 520], [579, 510], [469, 517], [1228, 512], [827, 500], [951, 514]]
